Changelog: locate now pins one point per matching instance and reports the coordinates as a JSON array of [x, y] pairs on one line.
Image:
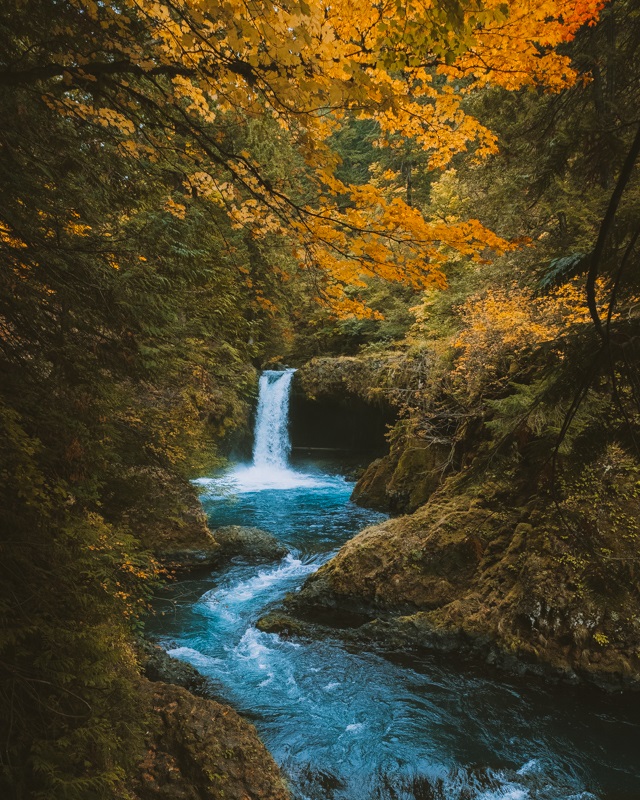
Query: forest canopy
[[171, 83]]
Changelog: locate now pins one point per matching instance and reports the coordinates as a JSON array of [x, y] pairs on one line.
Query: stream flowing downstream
[[350, 725]]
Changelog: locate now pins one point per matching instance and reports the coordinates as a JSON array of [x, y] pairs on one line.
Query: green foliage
[[504, 375], [130, 315], [561, 270], [125, 348]]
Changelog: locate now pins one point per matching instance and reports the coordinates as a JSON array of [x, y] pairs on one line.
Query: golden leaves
[[502, 324], [7, 237], [177, 210], [74, 228], [307, 58], [404, 64]]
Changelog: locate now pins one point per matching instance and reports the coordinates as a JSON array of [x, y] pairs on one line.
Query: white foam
[[508, 789], [251, 649], [528, 768], [245, 479], [261, 477], [250, 644], [509, 792], [192, 656], [221, 601]]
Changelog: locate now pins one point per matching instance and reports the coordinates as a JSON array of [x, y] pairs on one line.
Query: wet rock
[[197, 749], [404, 479], [282, 624], [395, 566], [371, 489], [158, 666], [179, 560], [251, 544], [231, 541], [477, 571]]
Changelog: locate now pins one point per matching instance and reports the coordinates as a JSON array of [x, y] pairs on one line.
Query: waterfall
[[270, 469], [271, 445]]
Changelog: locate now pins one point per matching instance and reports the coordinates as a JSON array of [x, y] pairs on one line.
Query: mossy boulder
[[404, 479], [488, 567], [371, 489], [224, 544], [251, 544], [416, 561], [197, 749], [282, 624]]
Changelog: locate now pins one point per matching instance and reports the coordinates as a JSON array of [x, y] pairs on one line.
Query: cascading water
[[272, 446], [270, 468], [351, 725]]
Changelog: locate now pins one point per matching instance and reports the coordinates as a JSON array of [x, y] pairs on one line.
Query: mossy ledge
[[487, 569]]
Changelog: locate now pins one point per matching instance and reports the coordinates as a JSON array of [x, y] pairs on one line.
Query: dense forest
[[430, 208]]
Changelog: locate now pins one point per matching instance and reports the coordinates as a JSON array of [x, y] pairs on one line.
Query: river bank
[[343, 721]]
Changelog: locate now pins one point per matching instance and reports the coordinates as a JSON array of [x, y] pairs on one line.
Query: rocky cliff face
[[338, 403], [404, 479], [487, 568], [355, 402]]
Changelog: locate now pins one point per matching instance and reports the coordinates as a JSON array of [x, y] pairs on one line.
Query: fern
[[561, 270]]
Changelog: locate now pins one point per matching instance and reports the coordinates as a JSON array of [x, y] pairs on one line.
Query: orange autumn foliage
[[307, 66], [503, 325]]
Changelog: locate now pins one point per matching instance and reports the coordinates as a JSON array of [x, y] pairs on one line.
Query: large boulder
[[405, 478], [489, 568], [224, 544]]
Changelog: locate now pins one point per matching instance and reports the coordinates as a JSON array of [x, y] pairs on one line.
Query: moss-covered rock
[[178, 535], [422, 560], [341, 377], [158, 666], [490, 568], [223, 544], [251, 544], [197, 749], [404, 479], [281, 623], [370, 490]]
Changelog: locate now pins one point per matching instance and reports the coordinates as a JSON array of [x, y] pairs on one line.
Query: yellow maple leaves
[[502, 324], [404, 64], [9, 239]]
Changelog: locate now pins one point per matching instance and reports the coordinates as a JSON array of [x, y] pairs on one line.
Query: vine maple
[[168, 78]]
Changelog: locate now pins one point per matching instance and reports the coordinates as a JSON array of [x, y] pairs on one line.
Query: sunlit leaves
[[161, 74]]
